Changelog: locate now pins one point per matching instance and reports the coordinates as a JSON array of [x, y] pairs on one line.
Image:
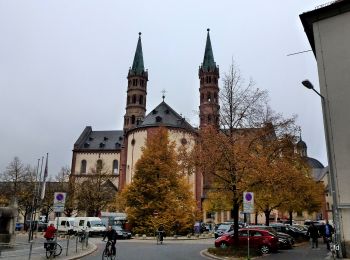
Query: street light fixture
[[326, 117]]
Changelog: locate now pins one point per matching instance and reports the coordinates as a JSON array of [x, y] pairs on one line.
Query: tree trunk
[[256, 218], [290, 217], [267, 217], [235, 212]]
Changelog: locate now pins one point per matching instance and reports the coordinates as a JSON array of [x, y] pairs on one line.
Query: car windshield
[[118, 228], [224, 226], [96, 223]]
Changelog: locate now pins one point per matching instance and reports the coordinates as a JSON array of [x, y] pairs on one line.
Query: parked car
[[290, 230], [222, 229], [285, 240], [19, 226], [259, 239], [36, 225], [122, 233]]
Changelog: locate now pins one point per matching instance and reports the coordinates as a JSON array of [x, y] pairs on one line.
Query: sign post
[[59, 201], [248, 207]]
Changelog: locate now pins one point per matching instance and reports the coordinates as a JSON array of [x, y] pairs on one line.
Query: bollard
[[86, 239], [30, 250], [67, 246], [76, 245]]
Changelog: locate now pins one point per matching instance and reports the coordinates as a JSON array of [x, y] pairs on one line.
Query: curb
[[85, 253], [206, 254]]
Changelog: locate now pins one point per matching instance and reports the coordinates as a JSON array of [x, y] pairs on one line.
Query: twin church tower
[[137, 89], [117, 151]]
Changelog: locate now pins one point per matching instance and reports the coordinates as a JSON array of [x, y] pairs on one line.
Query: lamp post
[[334, 190]]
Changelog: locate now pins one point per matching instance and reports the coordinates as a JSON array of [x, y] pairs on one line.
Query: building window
[[202, 97], [134, 82], [142, 81], [134, 99], [141, 100], [209, 119], [215, 97], [83, 166], [132, 119], [208, 96], [128, 101], [115, 167], [99, 166]]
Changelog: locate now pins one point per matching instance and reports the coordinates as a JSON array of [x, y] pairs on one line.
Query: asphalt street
[[149, 250]]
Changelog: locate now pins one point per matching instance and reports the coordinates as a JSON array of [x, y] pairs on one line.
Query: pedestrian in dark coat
[[313, 233]]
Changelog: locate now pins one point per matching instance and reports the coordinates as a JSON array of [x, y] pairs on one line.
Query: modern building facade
[[328, 31]]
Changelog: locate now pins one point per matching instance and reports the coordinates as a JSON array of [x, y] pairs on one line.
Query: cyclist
[[50, 234], [112, 237], [161, 232]]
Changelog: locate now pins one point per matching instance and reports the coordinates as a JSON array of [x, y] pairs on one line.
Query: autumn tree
[[159, 192], [94, 192], [223, 156]]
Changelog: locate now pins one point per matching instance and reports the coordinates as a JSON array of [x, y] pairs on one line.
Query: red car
[[262, 240]]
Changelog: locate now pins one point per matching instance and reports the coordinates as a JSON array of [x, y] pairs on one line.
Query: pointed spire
[[208, 61], [137, 66]]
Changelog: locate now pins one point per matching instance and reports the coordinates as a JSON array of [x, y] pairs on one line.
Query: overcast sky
[[63, 65]]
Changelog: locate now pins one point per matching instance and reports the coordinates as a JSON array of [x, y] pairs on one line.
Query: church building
[[119, 150]]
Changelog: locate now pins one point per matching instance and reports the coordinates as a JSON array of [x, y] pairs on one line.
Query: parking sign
[[248, 202]]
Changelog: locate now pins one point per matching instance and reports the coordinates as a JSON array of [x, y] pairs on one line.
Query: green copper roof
[[137, 65], [208, 61]]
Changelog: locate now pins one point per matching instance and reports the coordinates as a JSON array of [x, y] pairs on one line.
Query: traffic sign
[[59, 201], [248, 202]]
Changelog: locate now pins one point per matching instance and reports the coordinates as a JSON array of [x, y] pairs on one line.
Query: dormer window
[[102, 145], [154, 112], [158, 119], [105, 138], [167, 111], [86, 145], [91, 138]]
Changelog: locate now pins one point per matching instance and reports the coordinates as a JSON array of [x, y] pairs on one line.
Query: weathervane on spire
[[163, 92]]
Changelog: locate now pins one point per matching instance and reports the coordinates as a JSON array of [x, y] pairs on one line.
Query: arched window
[[132, 119], [208, 96], [215, 97], [99, 166], [115, 167], [128, 102], [209, 119], [83, 166], [134, 99], [141, 99], [202, 97]]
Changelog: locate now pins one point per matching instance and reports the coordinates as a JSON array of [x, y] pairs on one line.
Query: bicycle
[[108, 252], [53, 249]]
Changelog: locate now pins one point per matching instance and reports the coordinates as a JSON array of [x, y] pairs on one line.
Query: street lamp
[[334, 190]]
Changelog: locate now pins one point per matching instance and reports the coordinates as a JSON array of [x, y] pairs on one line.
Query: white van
[[93, 225], [65, 224]]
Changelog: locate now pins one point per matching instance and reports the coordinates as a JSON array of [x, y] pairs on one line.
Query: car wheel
[[264, 249], [223, 245]]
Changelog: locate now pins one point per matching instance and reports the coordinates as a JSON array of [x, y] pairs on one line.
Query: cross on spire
[[163, 92]]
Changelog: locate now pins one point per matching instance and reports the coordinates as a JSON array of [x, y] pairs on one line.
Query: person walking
[[327, 233], [313, 233]]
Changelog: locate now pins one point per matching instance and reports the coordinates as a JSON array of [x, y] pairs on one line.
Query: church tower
[[137, 90], [209, 88]]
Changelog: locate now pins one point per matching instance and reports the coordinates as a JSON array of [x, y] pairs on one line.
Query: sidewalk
[[71, 249]]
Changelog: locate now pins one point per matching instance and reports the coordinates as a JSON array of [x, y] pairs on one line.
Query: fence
[[34, 250]]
